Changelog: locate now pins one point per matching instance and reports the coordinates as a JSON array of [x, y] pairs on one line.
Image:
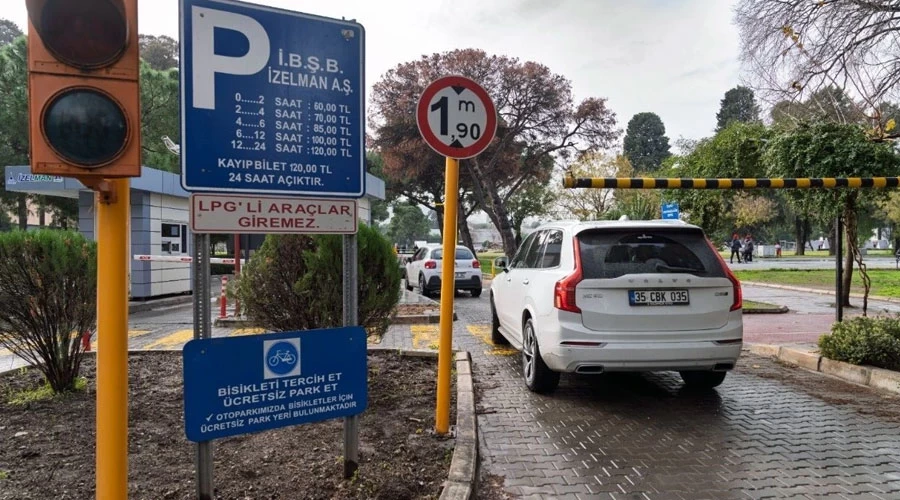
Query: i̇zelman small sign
[[237, 385]]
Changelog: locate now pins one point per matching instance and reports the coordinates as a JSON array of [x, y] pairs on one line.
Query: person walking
[[735, 248], [748, 249]]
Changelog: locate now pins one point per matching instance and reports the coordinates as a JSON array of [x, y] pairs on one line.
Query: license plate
[[658, 297], [460, 275]]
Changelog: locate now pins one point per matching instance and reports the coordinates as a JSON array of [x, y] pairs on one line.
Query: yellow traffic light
[[84, 88]]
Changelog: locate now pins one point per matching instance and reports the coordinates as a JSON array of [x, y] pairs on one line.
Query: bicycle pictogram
[[282, 356]]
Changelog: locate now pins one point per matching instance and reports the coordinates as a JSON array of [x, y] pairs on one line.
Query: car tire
[[476, 292], [422, 288], [538, 377], [496, 337], [702, 379], [408, 286]]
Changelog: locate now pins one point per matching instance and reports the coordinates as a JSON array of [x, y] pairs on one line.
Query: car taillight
[[430, 264], [476, 264], [735, 284], [564, 293]]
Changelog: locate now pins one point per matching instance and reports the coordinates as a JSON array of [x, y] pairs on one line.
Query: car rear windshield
[[461, 254], [609, 254]]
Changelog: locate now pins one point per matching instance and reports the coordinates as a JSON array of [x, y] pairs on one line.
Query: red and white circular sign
[[456, 117]]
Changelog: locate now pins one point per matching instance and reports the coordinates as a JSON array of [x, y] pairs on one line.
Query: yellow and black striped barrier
[[700, 183]]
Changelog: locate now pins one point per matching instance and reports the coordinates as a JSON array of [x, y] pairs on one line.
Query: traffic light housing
[[84, 88]]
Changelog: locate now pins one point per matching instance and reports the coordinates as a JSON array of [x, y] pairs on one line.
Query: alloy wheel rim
[[528, 352]]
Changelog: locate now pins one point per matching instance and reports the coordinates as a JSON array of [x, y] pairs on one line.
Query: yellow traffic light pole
[[112, 341], [448, 278]]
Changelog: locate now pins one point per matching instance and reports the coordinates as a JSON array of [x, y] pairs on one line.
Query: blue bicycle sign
[[282, 358]]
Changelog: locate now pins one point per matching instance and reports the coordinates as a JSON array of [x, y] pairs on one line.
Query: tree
[[407, 225], [9, 31], [379, 208], [591, 204], [646, 144], [159, 117], [160, 52], [736, 151], [533, 200], [537, 119], [793, 48], [14, 121], [738, 105], [833, 150], [827, 104]]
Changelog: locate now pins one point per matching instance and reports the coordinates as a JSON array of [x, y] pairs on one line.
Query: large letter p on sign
[[207, 63]]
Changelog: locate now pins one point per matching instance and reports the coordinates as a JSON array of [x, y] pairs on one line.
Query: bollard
[[222, 297]]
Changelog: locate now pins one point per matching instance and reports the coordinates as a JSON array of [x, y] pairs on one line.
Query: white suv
[[592, 297], [424, 268]]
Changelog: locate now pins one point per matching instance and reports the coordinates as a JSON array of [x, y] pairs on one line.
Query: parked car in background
[[595, 297], [424, 269]]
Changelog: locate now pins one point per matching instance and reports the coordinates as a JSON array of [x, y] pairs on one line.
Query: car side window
[[552, 249], [536, 252], [517, 261], [420, 254]]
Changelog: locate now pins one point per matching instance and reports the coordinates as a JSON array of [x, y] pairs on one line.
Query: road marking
[[483, 332], [425, 336], [246, 331], [171, 341], [131, 334]]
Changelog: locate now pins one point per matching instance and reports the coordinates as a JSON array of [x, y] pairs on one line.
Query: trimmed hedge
[[295, 282], [864, 341]]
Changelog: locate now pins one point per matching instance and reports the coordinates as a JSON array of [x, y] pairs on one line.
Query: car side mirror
[[408, 260], [501, 263]]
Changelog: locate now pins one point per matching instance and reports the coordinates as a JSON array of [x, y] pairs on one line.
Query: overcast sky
[[675, 58]]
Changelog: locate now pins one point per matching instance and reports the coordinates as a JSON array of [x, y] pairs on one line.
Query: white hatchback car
[[593, 297], [424, 268]]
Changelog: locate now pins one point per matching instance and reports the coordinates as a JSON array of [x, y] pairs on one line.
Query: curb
[[409, 319], [767, 310], [460, 484], [870, 376], [895, 300], [461, 478]]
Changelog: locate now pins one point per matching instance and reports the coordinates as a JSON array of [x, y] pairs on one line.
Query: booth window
[[174, 238]]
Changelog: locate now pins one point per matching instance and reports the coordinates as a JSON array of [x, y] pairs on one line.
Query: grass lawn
[[486, 259], [885, 282], [752, 304]]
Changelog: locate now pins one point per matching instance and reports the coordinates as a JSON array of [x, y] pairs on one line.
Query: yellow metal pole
[[445, 346], [112, 344]]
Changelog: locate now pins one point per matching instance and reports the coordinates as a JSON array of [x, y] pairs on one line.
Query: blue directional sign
[[272, 101], [236, 385], [670, 210]]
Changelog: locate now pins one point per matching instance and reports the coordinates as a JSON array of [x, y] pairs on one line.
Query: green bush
[[48, 290], [294, 282], [864, 341]]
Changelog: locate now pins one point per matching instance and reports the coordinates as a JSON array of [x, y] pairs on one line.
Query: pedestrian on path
[[735, 248], [748, 249]]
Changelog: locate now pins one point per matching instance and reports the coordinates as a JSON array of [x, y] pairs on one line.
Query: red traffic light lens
[[87, 34], [85, 127]]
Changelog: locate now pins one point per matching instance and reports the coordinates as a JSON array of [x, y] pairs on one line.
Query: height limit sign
[[456, 117]]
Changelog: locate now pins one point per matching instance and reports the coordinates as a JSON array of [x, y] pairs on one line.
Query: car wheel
[[702, 379], [422, 289], [409, 287], [476, 292], [496, 337], [538, 377]]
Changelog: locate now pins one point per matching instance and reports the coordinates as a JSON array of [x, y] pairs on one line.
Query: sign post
[[670, 210], [457, 118], [272, 103]]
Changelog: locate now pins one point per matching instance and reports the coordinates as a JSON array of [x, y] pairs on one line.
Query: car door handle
[[525, 281]]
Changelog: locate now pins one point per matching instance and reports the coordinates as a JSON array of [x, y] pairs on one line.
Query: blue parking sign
[[237, 385], [272, 101]]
